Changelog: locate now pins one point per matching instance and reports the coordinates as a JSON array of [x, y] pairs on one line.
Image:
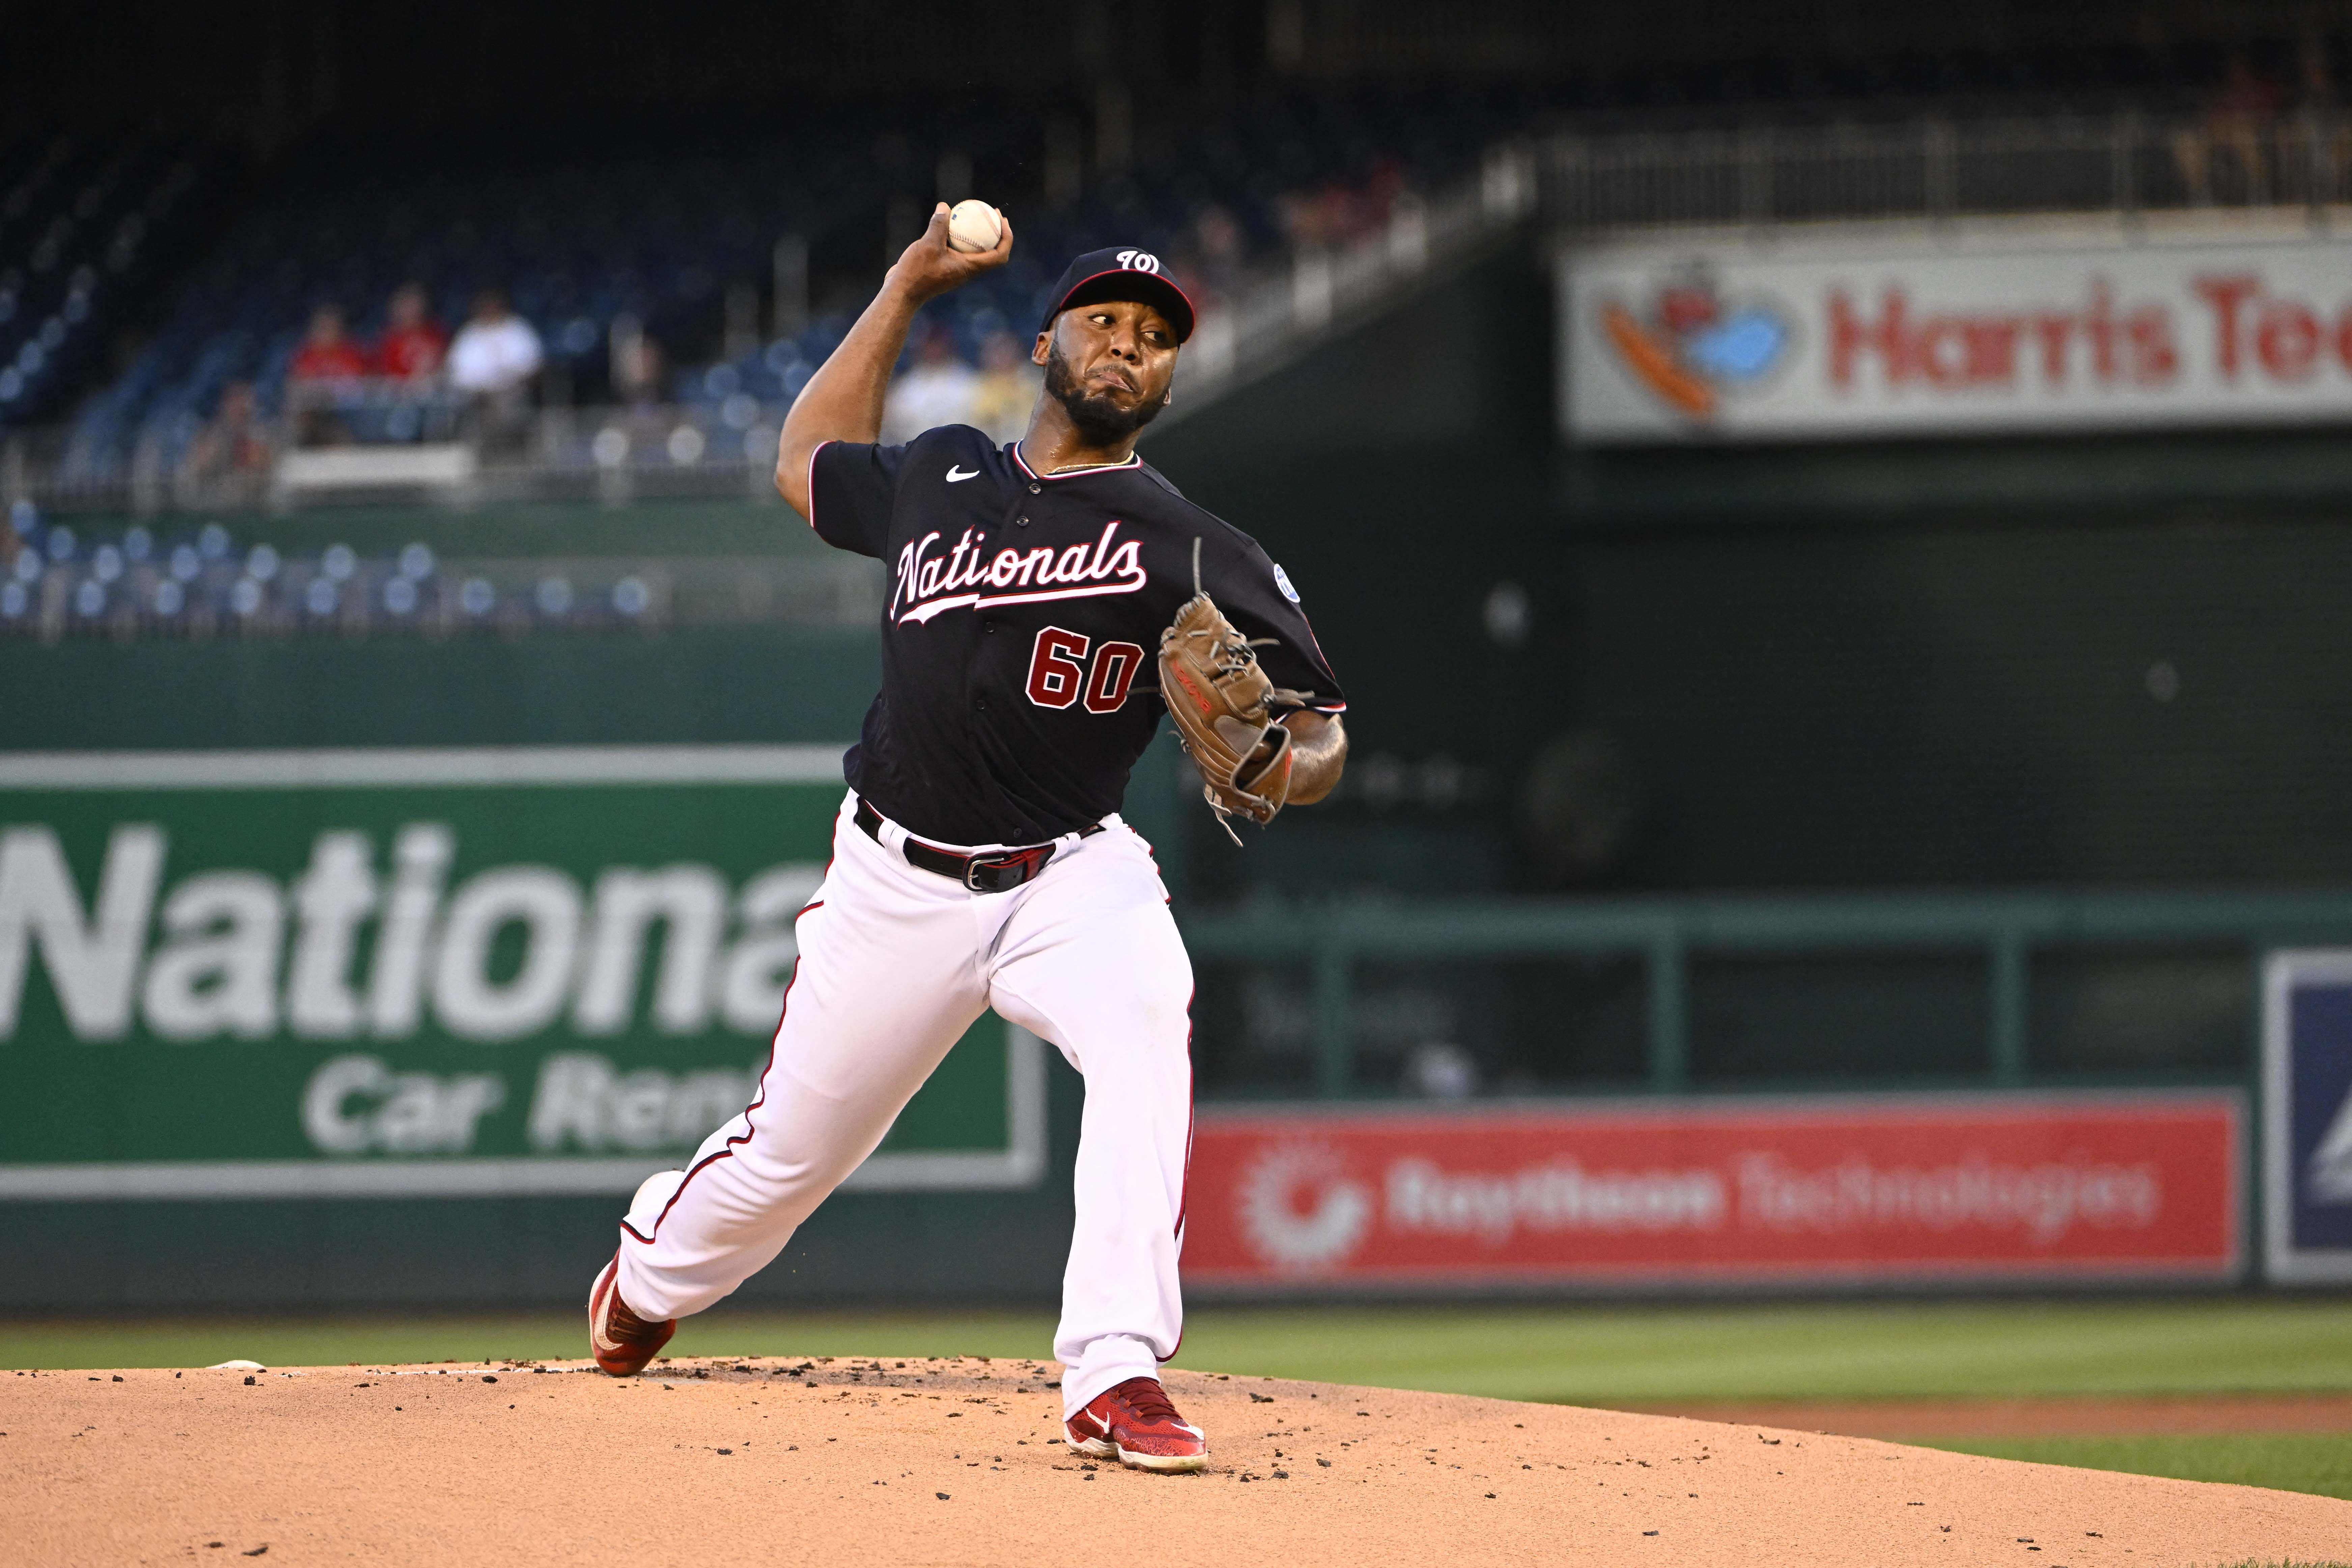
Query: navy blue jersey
[[1020, 645]]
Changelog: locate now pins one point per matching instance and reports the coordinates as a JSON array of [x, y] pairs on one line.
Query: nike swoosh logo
[[956, 476]]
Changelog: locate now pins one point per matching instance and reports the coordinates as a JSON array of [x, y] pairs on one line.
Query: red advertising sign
[[1845, 1190]]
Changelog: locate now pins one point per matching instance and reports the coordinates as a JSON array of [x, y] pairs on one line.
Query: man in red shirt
[[413, 343], [326, 371], [328, 353]]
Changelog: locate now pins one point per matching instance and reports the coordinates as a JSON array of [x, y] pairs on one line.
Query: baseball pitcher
[[1049, 601]]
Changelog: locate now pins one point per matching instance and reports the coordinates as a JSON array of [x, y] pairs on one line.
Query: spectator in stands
[[413, 344], [640, 371], [938, 391], [496, 353], [492, 360], [1215, 255], [1315, 218], [2325, 156], [637, 364], [228, 462], [1337, 212], [2221, 154], [2317, 95], [328, 353], [323, 379], [1006, 390]]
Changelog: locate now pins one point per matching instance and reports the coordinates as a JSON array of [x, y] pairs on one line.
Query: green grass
[[1893, 1350], [1582, 1354], [2292, 1461]]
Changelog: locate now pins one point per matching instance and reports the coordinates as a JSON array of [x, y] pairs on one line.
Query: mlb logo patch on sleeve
[[1282, 581]]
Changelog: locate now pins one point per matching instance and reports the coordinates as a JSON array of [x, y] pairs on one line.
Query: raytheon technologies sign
[[1826, 1189], [1898, 331]]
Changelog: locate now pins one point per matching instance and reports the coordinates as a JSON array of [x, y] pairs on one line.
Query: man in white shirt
[[496, 352], [939, 390], [492, 360]]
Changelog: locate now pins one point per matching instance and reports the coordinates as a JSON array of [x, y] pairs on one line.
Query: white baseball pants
[[894, 963]]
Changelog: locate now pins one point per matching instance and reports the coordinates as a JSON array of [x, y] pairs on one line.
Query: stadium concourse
[[858, 1459]]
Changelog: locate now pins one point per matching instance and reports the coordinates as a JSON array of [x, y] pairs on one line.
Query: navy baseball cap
[[1121, 272]]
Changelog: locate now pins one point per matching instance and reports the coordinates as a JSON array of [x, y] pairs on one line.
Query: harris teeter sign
[[372, 973], [1933, 330]]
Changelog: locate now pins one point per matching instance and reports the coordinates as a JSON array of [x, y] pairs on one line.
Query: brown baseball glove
[[1224, 707]]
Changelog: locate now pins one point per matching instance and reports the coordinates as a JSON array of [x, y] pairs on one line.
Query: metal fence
[[1937, 168], [1331, 952], [124, 592]]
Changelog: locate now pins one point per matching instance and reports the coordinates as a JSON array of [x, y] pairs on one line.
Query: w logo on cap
[[1129, 273]]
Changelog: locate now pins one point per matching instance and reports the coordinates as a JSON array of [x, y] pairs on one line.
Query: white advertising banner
[[1899, 330]]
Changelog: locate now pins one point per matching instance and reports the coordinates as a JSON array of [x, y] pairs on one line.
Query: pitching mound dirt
[[919, 1461]]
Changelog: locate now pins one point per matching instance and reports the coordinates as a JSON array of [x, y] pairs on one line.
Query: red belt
[[1000, 871]]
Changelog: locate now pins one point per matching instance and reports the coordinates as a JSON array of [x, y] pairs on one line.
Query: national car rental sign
[[1901, 331], [399, 972]]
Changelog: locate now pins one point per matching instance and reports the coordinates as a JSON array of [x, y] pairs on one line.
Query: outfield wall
[[337, 1120]]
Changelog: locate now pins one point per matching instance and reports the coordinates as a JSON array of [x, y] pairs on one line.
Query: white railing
[[1932, 168]]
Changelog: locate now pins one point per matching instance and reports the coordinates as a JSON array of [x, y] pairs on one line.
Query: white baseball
[[973, 225]]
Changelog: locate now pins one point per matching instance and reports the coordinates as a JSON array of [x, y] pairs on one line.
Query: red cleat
[[623, 1341], [1135, 1425]]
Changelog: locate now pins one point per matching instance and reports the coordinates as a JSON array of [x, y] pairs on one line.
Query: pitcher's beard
[[1095, 416]]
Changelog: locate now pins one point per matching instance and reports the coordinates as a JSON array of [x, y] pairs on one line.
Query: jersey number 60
[[1058, 671]]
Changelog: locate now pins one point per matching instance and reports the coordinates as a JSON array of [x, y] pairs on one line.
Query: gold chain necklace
[[1065, 468]]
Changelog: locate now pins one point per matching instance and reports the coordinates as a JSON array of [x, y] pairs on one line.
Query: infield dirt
[[956, 1461]]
